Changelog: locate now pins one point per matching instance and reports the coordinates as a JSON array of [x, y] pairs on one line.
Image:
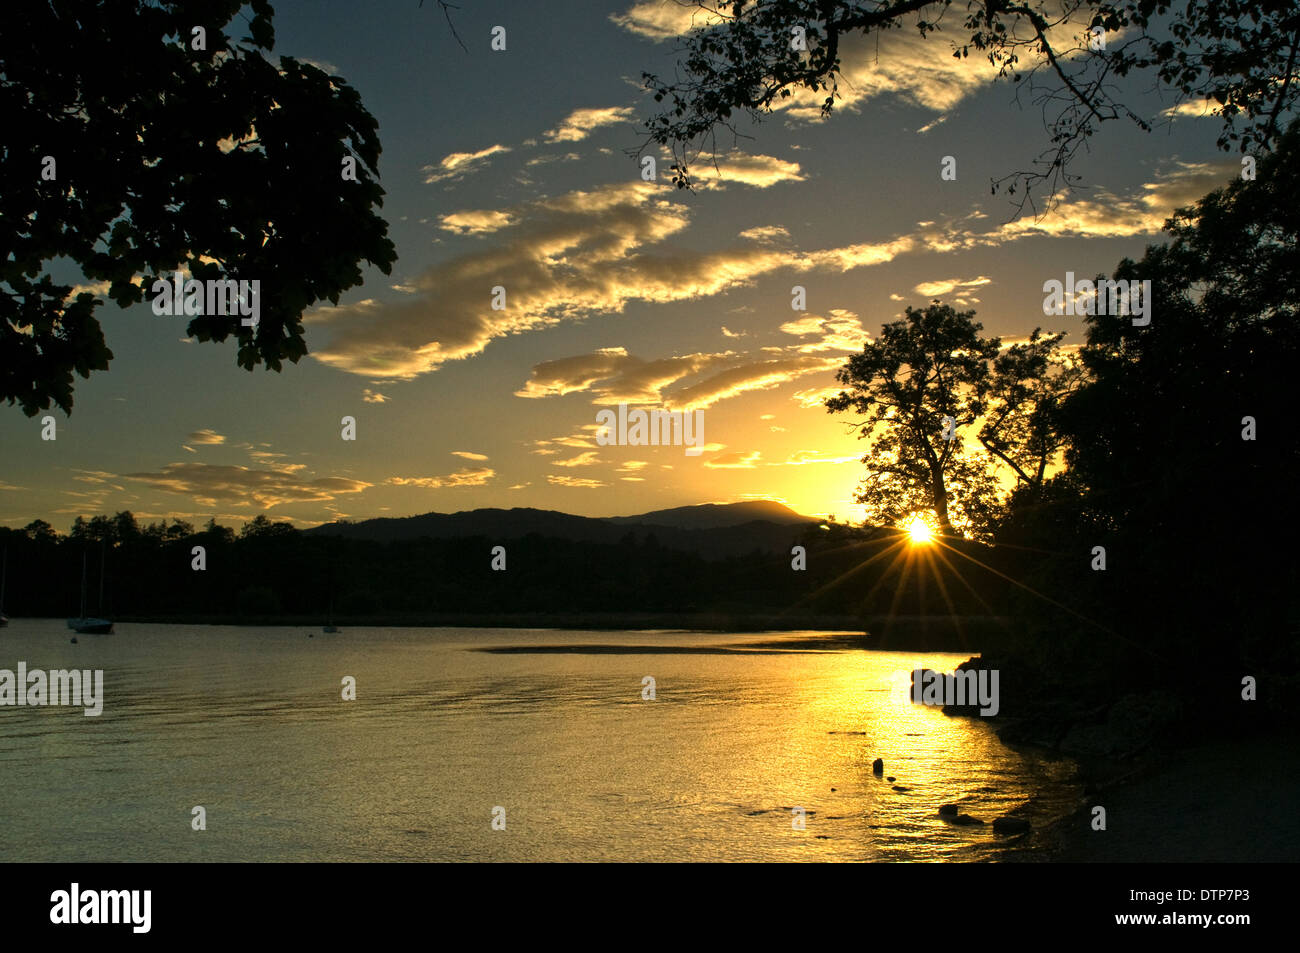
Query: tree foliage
[[168, 157], [1239, 56], [1180, 460], [929, 379]]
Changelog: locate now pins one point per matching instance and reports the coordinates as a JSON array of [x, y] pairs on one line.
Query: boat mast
[[102, 560], [83, 582]]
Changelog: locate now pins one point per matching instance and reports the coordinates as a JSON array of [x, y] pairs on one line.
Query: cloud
[[803, 457], [210, 484], [842, 331], [756, 375], [323, 65], [457, 165], [898, 62], [1105, 215], [734, 461], [568, 257], [663, 19], [946, 286], [759, 171], [1194, 108], [556, 480], [464, 477], [815, 397], [205, 436], [93, 287], [586, 459], [469, 455], [697, 381], [373, 397], [767, 234], [615, 376], [593, 252], [475, 222], [578, 125]]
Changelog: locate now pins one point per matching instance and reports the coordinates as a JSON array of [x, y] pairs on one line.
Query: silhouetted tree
[[930, 365], [742, 58], [169, 156]]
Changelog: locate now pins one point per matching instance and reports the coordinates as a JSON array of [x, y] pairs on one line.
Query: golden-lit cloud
[[900, 63], [663, 19], [209, 484], [578, 482], [757, 171], [734, 461], [946, 286], [578, 125], [579, 254], [585, 459], [373, 397], [803, 457], [464, 477], [205, 436], [472, 222], [755, 375], [459, 164], [1105, 215], [841, 331], [1194, 108], [766, 234], [469, 455]]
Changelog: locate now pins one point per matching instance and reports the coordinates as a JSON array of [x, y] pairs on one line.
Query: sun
[[919, 532]]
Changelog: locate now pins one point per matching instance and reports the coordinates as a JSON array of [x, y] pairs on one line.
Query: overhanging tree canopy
[[167, 157]]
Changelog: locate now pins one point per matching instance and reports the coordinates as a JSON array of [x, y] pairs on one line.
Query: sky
[[511, 168]]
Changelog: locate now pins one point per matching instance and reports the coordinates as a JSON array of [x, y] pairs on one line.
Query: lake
[[249, 723]]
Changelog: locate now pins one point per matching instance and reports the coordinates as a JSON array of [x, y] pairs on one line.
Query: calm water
[[249, 723]]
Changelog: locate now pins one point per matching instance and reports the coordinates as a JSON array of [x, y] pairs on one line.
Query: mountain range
[[713, 530]]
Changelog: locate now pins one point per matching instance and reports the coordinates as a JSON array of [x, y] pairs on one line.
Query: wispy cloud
[[205, 436], [209, 484], [465, 477], [577, 482], [457, 165], [580, 123]]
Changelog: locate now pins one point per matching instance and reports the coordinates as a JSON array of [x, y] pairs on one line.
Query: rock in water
[[966, 819], [1011, 825], [947, 810], [891, 778], [878, 766]]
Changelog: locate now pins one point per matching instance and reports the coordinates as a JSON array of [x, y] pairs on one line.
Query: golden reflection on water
[[249, 723]]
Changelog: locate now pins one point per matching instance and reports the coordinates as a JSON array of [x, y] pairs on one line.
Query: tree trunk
[[941, 506]]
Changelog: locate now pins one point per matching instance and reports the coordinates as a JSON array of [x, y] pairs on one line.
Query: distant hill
[[713, 530], [712, 515]]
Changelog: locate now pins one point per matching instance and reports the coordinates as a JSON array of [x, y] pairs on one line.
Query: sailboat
[[82, 624], [4, 573], [330, 628]]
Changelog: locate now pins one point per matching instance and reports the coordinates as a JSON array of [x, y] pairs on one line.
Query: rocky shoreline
[[1175, 785]]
